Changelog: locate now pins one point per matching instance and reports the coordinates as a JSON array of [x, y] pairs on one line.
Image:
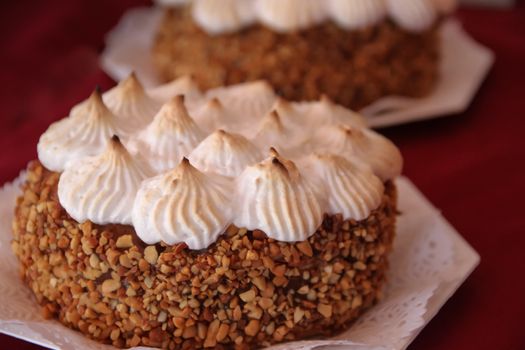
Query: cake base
[[353, 68], [244, 291]]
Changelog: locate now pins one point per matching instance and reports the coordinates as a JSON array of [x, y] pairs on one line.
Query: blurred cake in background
[[354, 51]]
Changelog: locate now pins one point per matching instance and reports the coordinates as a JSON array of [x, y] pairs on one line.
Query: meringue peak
[[116, 149], [185, 166], [214, 103], [173, 114], [84, 133], [271, 123], [273, 152], [186, 85], [93, 108], [283, 165], [225, 153], [130, 103], [352, 189], [282, 105], [102, 188], [171, 135], [275, 198], [227, 16], [131, 85], [182, 205]]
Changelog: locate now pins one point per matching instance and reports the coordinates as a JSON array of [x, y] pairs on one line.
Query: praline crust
[[353, 68], [245, 290]]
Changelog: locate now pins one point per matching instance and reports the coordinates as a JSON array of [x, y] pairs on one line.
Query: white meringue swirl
[[102, 188], [365, 145], [412, 15], [227, 16], [225, 153], [185, 85], [244, 103], [182, 206], [131, 104], [343, 166], [355, 14], [274, 197], [325, 111], [84, 133], [224, 16], [171, 135], [211, 116], [290, 15], [352, 190]]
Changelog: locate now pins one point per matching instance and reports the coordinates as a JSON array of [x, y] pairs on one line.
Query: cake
[[354, 51], [178, 219]]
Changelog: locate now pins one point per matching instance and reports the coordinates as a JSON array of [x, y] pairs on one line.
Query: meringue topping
[[102, 188], [274, 197], [271, 131], [171, 135], [290, 15], [412, 15], [84, 133], [185, 85], [212, 115], [182, 206], [224, 16], [352, 189], [244, 103], [330, 163], [363, 145], [225, 153], [325, 111], [355, 14], [227, 16], [131, 104]]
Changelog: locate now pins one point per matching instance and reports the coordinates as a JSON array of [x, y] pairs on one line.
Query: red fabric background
[[470, 165]]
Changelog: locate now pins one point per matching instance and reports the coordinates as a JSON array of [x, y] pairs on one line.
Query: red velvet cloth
[[470, 165]]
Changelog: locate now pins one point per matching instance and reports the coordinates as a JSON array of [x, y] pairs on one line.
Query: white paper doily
[[464, 65], [429, 262]]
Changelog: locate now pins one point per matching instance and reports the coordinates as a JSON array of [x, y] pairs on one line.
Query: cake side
[[353, 68], [245, 290]]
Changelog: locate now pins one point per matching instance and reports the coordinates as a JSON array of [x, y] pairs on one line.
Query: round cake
[[232, 219], [354, 51]]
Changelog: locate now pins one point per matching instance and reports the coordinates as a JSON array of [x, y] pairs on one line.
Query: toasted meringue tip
[[179, 99], [177, 104], [275, 115], [281, 103], [326, 100], [347, 130], [96, 97], [273, 152], [116, 144], [115, 139], [131, 82], [214, 103], [283, 165], [188, 77]]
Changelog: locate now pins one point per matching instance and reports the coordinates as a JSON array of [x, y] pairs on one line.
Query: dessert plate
[[430, 260], [464, 65]]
